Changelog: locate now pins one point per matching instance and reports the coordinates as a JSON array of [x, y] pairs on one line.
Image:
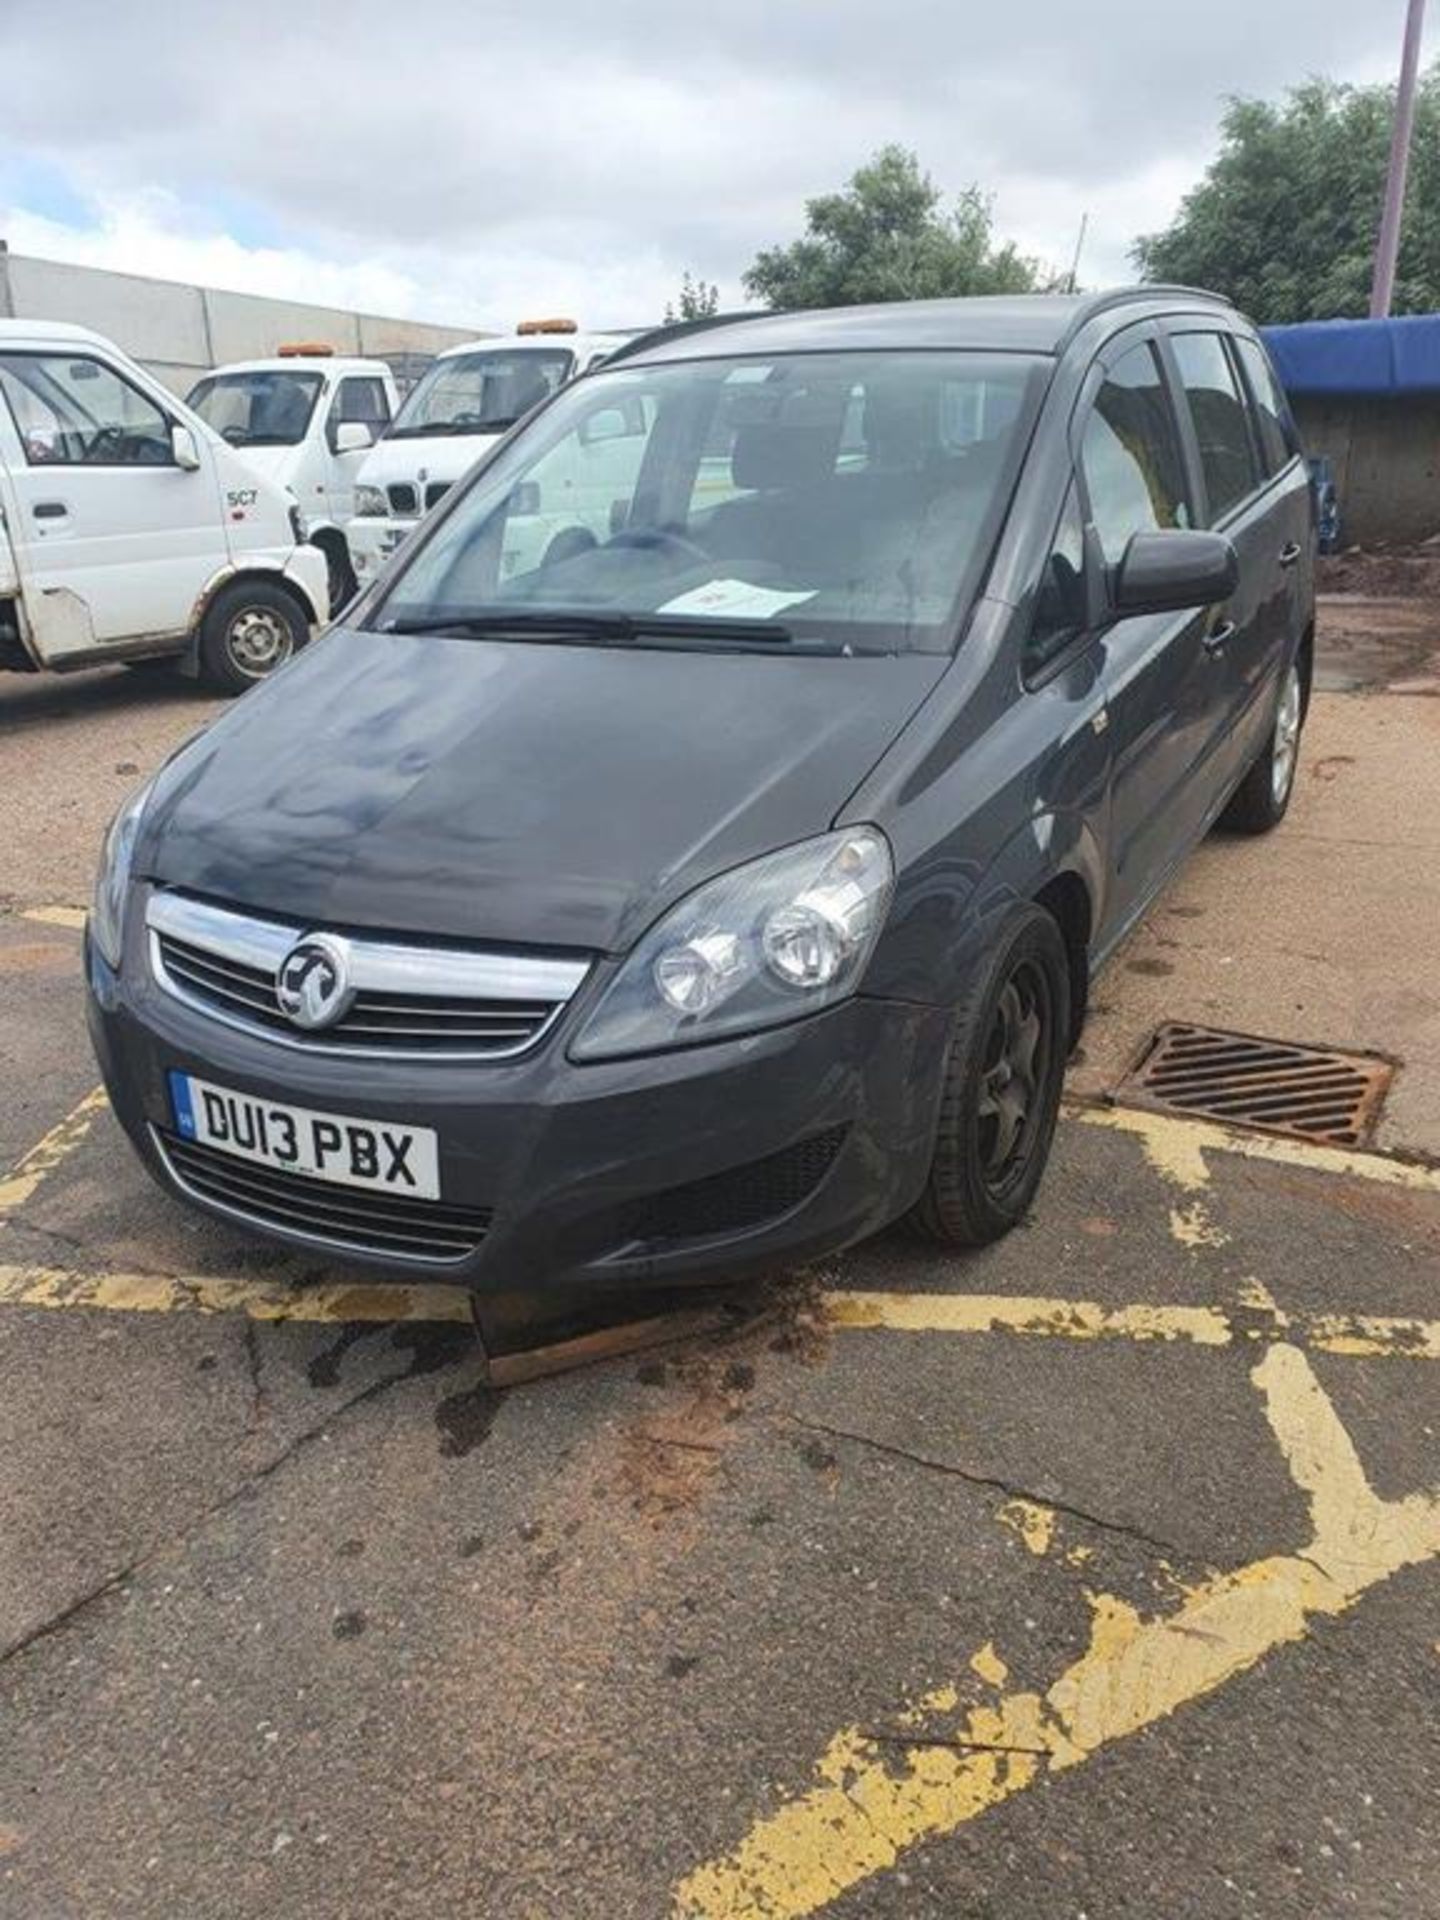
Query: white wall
[[180, 331]]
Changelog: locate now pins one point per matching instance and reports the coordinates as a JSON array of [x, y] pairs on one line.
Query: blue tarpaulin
[[1358, 356]]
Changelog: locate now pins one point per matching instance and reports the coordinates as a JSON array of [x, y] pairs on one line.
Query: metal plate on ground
[[1308, 1093]]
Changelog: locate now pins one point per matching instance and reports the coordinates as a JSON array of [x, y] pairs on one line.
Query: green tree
[[699, 299], [1285, 220], [888, 236]]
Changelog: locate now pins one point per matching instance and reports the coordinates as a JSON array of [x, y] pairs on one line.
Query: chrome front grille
[[419, 1002], [403, 498], [350, 1218], [436, 492]]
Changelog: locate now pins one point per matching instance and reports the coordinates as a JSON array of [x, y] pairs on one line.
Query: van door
[[1157, 673], [115, 540]]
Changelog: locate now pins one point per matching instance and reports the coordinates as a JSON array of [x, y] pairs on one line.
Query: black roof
[[1021, 323]]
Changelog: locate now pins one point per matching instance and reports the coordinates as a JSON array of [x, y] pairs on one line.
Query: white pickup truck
[[129, 530], [306, 419], [466, 400]]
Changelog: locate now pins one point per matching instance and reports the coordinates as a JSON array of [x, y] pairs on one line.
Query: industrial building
[[180, 331]]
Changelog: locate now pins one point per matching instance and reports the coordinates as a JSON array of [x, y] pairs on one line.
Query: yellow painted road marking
[[1033, 1523], [43, 1158], [1380, 1335], [871, 1803], [36, 1286], [1024, 1313], [71, 917], [1368, 1333], [1176, 1149], [988, 1666], [1364, 1335]]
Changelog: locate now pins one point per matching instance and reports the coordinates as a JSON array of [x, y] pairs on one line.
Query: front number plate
[[326, 1146]]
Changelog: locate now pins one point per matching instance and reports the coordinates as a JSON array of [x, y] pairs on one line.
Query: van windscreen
[[266, 407], [480, 392]]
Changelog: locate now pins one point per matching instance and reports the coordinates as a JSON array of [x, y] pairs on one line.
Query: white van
[[128, 530], [306, 419], [466, 399]]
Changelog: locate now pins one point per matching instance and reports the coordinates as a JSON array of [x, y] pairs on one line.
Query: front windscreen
[[270, 407], [481, 392], [846, 499]]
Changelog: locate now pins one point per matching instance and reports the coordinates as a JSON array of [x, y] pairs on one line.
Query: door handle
[[50, 510], [1219, 636], [1290, 553]]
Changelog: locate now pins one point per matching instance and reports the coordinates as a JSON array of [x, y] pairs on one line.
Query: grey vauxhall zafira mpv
[[694, 851]]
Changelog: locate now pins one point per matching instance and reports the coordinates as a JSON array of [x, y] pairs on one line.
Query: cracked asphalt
[[910, 1589]]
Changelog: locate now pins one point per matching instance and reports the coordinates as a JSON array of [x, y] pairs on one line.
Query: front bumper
[[706, 1163], [372, 541]]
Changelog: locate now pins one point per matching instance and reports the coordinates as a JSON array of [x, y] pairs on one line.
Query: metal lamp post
[[1382, 288]]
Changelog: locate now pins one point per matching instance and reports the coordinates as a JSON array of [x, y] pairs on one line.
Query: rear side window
[[1278, 441], [1130, 455], [1222, 427]]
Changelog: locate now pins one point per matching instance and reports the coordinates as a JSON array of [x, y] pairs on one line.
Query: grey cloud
[[694, 130]]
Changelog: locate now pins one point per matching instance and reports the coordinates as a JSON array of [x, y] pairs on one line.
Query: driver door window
[[361, 399], [1130, 456], [71, 410]]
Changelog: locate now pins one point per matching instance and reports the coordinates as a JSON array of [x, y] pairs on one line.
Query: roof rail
[[1126, 296], [678, 329]]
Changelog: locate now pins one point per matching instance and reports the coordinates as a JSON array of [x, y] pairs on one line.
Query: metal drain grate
[[1309, 1093]]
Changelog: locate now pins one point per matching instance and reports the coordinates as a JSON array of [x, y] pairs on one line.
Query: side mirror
[[353, 436], [1173, 572], [183, 450]]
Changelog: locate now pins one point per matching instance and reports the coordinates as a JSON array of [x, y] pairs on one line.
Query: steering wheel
[[652, 537], [237, 436], [109, 443]]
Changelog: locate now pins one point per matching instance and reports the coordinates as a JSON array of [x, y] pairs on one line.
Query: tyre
[[1262, 798], [339, 576], [1003, 1076], [250, 628]]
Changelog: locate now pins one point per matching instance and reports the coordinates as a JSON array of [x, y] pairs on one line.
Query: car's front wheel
[[1003, 1077], [250, 628], [1262, 798]]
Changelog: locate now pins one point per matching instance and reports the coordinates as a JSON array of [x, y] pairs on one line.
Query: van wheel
[[250, 628], [1262, 798], [1003, 1077]]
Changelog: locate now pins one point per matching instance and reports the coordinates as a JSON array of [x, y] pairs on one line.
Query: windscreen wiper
[[534, 623]]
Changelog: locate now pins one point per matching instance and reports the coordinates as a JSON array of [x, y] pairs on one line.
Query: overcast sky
[[477, 160]]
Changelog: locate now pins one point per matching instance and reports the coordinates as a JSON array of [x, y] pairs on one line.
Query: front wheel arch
[[968, 1199], [250, 576]]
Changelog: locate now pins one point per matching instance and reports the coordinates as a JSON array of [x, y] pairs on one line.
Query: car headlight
[[112, 881], [776, 939], [371, 502]]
